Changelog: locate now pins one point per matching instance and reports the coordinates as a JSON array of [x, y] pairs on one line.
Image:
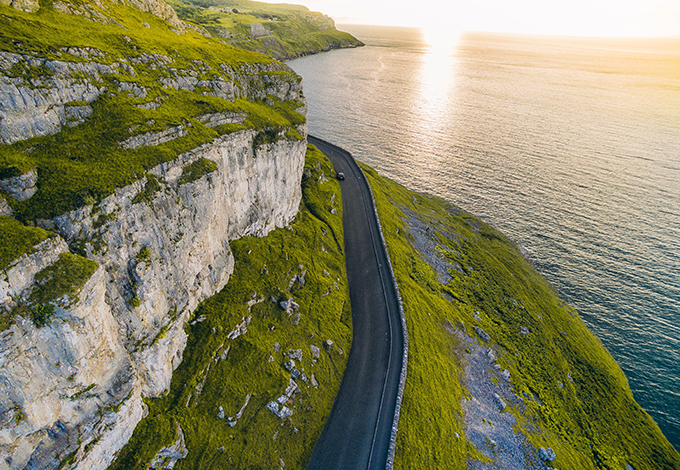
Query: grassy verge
[[591, 420], [219, 371]]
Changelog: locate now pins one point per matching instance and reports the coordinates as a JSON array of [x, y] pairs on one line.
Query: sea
[[570, 146]]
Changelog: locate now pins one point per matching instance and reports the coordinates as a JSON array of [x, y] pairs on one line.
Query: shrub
[[197, 170], [17, 239], [41, 314]]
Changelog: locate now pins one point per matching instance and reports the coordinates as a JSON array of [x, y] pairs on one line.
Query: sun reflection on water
[[435, 91], [437, 77]]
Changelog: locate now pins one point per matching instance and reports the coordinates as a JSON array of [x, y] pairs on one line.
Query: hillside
[[133, 150], [499, 367], [281, 31], [221, 394]]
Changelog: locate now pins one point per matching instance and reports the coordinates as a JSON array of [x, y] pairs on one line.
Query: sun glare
[[437, 73], [440, 37]]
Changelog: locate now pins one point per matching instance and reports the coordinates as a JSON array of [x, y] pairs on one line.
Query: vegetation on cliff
[[57, 285], [286, 30], [245, 350], [16, 239], [151, 94]]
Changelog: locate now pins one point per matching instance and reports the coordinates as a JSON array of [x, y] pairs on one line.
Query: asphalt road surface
[[357, 433]]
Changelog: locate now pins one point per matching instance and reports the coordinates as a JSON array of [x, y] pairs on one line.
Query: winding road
[[358, 431]]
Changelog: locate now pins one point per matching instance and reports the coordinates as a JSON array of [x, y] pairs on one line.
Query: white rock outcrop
[[73, 389], [25, 5], [5, 209]]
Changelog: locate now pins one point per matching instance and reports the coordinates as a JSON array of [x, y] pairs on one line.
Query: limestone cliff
[[157, 260], [145, 160]]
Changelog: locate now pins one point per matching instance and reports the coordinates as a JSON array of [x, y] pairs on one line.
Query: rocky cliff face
[[158, 8], [73, 389], [42, 96], [93, 319], [25, 5]]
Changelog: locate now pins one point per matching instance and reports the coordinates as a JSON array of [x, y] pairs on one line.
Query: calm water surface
[[569, 146]]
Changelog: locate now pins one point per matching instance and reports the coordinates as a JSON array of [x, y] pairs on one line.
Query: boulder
[[482, 334], [295, 354], [167, 457], [5, 209], [21, 187], [282, 413], [499, 402], [289, 305], [547, 454]]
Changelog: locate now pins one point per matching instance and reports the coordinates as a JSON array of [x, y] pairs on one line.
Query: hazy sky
[[562, 17]]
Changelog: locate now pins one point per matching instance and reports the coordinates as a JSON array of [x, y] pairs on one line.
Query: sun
[[440, 36]]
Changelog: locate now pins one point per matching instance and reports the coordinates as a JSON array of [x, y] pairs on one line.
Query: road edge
[[404, 365]]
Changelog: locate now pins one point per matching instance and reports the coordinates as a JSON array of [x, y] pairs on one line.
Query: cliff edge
[[141, 149]]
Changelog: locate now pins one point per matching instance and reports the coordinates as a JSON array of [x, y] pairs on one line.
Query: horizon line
[[515, 33]]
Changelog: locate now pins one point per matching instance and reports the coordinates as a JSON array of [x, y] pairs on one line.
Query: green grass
[[263, 269], [56, 285], [82, 392], [197, 170], [151, 187], [16, 239], [295, 30], [84, 164], [592, 423]]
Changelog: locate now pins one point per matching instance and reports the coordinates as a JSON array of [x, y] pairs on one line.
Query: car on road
[[340, 176]]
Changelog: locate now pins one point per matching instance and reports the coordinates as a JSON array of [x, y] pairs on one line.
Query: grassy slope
[[593, 422], [84, 164], [16, 239], [295, 32], [260, 439]]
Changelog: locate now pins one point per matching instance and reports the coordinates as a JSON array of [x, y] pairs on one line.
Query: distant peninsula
[[282, 31]]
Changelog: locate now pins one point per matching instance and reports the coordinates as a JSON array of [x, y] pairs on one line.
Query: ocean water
[[571, 147]]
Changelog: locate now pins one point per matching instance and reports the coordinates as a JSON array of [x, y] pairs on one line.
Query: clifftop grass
[[585, 410], [294, 30], [221, 371], [83, 164]]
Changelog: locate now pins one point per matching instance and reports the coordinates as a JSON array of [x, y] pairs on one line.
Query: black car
[[340, 176]]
